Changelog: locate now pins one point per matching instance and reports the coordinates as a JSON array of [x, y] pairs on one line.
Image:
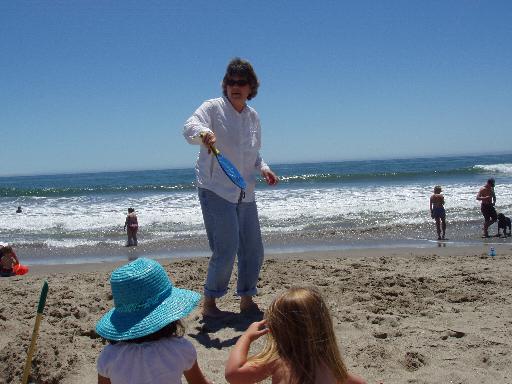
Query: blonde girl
[[301, 346]]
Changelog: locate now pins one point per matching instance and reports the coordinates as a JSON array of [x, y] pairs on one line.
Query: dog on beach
[[504, 223]]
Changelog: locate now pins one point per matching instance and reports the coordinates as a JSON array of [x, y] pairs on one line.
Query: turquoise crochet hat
[[145, 301]]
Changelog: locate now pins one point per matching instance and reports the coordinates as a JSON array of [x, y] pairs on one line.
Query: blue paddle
[[228, 168]]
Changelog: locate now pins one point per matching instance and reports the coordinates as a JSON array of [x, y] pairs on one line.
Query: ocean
[[326, 205]]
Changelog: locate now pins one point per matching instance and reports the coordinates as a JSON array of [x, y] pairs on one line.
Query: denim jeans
[[232, 229]]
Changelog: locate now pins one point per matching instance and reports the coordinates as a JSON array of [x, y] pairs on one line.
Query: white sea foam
[[87, 220], [496, 168], [71, 243]]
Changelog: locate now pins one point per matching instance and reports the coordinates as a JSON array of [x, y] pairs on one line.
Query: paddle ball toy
[[229, 168]]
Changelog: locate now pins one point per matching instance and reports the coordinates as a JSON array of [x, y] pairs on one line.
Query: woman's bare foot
[[210, 308], [248, 305]]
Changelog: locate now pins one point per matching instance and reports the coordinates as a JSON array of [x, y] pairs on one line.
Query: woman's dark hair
[[243, 69], [174, 329], [130, 210]]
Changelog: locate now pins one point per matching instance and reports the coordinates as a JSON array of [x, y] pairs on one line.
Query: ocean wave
[[371, 176], [62, 211], [172, 181], [95, 190], [495, 168]]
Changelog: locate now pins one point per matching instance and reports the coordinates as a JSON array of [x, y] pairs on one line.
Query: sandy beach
[[437, 315]]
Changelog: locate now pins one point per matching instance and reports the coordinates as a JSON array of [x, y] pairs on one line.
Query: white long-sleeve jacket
[[238, 138]]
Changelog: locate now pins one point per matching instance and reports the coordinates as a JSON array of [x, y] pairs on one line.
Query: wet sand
[[404, 315], [314, 240]]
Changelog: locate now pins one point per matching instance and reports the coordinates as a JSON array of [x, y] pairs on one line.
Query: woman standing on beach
[[231, 220]]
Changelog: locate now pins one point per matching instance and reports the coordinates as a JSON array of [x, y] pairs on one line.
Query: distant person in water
[[488, 200], [132, 226], [438, 212], [18, 210]]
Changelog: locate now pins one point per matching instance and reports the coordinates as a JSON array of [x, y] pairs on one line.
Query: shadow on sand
[[236, 321]]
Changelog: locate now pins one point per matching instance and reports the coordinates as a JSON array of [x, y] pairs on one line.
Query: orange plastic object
[[20, 269]]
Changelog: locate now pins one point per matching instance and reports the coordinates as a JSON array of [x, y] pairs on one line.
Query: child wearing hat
[[144, 329]]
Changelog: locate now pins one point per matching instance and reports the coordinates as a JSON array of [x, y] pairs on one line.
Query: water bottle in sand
[[492, 252]]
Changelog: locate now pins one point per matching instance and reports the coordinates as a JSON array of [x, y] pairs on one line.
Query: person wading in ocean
[[488, 199]]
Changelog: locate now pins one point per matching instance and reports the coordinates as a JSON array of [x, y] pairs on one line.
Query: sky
[[90, 85]]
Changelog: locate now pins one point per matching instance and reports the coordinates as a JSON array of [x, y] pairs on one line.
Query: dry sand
[[401, 315]]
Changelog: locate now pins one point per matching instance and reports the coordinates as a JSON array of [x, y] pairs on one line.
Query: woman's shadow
[[210, 325]]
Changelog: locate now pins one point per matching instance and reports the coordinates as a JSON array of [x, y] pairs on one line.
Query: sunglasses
[[240, 83]]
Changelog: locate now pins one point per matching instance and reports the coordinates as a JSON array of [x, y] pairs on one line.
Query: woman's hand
[[269, 176], [208, 139]]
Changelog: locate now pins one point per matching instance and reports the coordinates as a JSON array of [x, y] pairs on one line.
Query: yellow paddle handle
[[31, 349], [40, 308], [212, 147]]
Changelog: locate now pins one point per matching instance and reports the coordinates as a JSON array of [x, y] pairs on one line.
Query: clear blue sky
[[106, 85]]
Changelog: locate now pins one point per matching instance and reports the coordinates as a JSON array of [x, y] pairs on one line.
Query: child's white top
[[161, 361]]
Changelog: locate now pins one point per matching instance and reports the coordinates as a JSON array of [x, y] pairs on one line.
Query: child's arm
[[103, 380], [237, 370], [195, 376], [15, 258]]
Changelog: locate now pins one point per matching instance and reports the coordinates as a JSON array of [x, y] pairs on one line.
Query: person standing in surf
[[487, 198], [438, 212], [231, 219], [131, 225]]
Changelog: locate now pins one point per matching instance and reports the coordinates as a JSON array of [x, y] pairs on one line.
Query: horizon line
[[93, 171]]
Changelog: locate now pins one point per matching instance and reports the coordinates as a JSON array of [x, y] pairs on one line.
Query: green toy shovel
[[40, 308]]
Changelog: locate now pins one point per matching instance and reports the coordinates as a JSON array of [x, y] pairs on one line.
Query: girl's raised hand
[[256, 330], [238, 370]]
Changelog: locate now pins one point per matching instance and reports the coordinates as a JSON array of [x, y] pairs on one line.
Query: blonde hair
[[302, 335]]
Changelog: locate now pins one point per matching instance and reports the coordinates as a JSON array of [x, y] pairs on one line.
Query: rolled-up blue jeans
[[232, 229]]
